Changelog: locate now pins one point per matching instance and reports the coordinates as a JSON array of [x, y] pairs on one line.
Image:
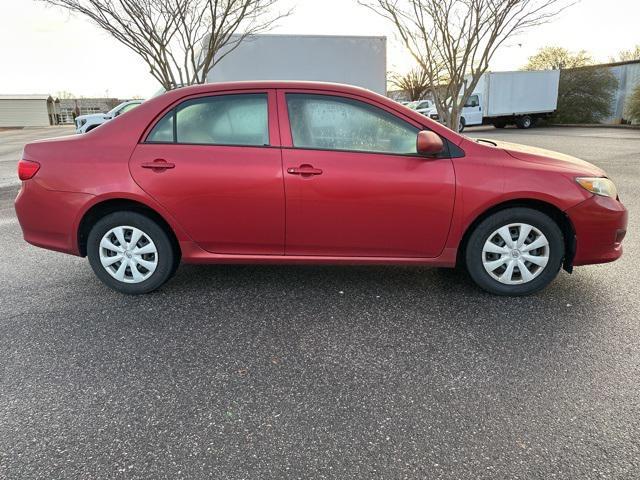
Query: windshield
[[123, 107], [472, 101], [115, 109]]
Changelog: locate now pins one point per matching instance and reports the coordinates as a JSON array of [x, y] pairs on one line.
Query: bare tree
[[415, 83], [628, 55], [454, 40], [180, 40]]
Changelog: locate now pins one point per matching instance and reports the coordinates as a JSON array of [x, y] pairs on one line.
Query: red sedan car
[[297, 172]]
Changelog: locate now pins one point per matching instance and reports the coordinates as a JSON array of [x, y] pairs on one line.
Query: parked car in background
[[507, 98], [420, 106], [86, 123], [305, 172]]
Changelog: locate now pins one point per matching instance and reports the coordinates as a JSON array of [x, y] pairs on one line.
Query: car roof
[[156, 105], [269, 84]]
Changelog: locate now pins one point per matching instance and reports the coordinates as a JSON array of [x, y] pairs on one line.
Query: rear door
[[355, 185], [214, 163]]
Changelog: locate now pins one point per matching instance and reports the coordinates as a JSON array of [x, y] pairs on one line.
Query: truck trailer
[[354, 60], [505, 98]]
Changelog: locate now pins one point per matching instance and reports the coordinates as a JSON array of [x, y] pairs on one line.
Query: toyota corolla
[[297, 172]]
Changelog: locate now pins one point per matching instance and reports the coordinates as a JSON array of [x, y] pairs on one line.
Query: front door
[[355, 185], [214, 163], [472, 111]]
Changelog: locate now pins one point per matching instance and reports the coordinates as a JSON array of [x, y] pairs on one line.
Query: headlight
[[598, 185]]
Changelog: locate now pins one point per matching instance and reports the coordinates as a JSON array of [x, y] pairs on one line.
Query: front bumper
[[600, 225]]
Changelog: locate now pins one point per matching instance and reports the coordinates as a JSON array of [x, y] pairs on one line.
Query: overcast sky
[[46, 50]]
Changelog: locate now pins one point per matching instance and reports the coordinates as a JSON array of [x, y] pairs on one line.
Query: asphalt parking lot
[[247, 372]]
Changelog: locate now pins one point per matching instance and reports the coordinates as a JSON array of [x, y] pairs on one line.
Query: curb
[[594, 125]]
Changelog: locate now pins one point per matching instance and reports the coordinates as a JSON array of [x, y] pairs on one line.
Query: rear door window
[[238, 119]]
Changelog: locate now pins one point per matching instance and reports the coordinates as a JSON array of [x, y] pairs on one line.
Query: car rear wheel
[[131, 253], [517, 251]]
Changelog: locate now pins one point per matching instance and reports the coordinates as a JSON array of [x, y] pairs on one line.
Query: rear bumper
[[48, 218], [600, 224]]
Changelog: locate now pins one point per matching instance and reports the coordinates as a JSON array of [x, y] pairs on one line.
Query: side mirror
[[429, 143]]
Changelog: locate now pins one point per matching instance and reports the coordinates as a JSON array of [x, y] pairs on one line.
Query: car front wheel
[[517, 251], [130, 253]]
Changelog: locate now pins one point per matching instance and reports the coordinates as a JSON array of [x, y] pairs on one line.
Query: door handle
[[304, 170], [158, 164]]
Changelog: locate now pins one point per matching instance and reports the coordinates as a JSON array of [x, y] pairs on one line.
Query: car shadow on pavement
[[379, 294]]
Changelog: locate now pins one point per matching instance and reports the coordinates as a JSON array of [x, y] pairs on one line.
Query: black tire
[[461, 125], [525, 122], [92, 127], [482, 232], [167, 259], [500, 124]]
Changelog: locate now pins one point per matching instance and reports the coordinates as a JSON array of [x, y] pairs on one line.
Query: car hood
[[552, 159]]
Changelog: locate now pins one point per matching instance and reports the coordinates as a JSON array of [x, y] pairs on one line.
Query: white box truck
[[504, 98], [354, 60]]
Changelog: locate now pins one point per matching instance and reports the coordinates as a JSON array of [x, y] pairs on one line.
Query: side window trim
[[174, 123]]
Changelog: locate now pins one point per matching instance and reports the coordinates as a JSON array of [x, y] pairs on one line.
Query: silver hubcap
[[128, 254], [515, 254]]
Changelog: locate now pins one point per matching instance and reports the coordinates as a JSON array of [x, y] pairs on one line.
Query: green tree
[[585, 95], [558, 58], [633, 106]]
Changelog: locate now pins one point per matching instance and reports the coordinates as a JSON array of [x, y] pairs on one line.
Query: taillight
[[27, 169]]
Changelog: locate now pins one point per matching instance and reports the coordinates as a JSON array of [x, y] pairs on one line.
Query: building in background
[[27, 111], [44, 110], [354, 60], [628, 75], [72, 107]]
